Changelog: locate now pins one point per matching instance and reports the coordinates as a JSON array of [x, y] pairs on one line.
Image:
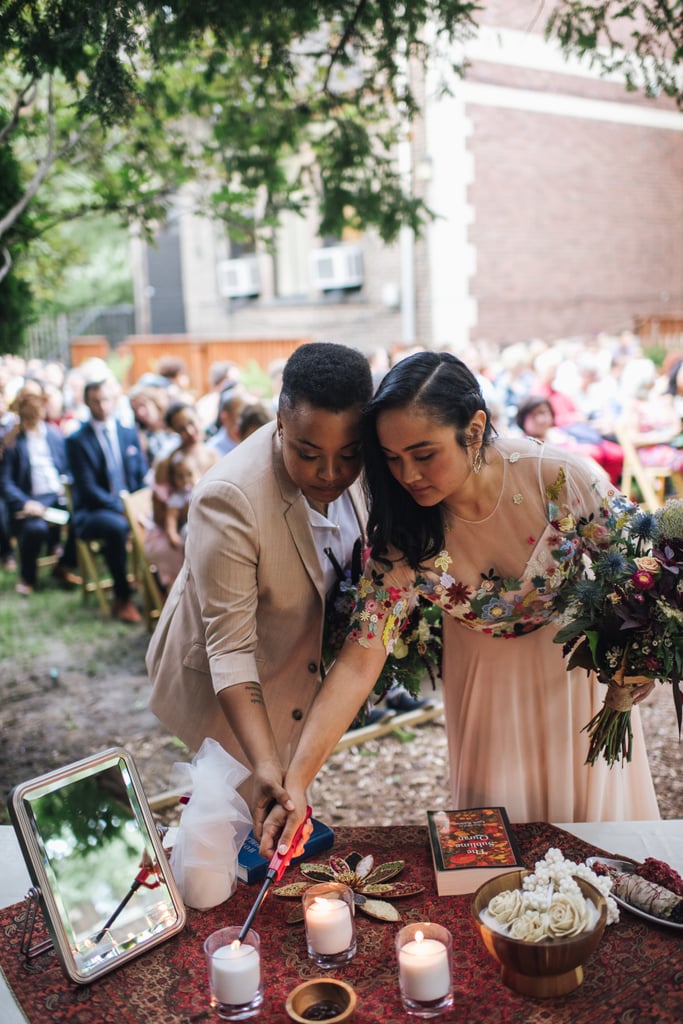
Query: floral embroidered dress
[[513, 713]]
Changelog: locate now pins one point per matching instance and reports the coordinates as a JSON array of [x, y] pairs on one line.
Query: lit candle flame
[[419, 936], [235, 944]]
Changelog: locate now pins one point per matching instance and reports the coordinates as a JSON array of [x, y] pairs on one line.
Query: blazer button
[[297, 714], [312, 667]]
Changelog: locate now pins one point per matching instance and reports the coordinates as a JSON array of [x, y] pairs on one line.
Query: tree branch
[[50, 157], [23, 99], [341, 45], [6, 263]]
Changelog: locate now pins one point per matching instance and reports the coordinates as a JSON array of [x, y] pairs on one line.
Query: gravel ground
[[94, 702], [392, 780]]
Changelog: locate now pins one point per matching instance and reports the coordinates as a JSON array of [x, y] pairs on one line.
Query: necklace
[[486, 496]]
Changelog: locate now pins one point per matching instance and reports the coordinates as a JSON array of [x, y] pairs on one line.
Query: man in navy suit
[[105, 458], [31, 480]]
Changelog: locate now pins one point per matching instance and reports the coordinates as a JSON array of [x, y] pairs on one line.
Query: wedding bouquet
[[625, 616], [416, 652]]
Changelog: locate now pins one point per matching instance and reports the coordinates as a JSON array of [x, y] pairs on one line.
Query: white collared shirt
[[44, 473], [338, 530], [108, 427]]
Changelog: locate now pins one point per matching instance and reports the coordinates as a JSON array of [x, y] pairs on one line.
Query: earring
[[477, 461]]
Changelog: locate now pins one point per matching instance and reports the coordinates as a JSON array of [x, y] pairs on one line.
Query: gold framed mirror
[[98, 864]]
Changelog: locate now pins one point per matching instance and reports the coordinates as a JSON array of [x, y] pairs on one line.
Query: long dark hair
[[438, 385]]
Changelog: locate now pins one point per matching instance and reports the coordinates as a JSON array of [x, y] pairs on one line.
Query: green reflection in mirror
[[92, 849]]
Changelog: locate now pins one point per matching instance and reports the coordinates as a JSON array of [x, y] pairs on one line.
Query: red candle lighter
[[279, 863]]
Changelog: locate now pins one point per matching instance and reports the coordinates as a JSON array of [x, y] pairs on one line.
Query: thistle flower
[[669, 521], [643, 526]]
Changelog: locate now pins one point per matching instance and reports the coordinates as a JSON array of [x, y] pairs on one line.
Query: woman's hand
[[281, 824], [642, 691], [268, 795]]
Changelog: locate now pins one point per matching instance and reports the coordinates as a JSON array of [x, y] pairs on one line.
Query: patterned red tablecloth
[[636, 974]]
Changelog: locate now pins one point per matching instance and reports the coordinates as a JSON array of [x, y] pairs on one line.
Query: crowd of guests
[[70, 439]]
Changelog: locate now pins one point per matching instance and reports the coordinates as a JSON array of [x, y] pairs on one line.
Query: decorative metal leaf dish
[[366, 881]]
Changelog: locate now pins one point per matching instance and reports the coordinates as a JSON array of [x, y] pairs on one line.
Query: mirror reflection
[[94, 854]]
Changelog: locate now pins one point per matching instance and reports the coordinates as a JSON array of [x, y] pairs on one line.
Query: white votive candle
[[328, 925], [424, 970], [235, 973]]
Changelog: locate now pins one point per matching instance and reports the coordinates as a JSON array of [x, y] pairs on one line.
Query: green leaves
[[640, 39]]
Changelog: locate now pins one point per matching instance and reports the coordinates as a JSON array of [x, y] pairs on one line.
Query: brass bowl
[[551, 967], [316, 991]]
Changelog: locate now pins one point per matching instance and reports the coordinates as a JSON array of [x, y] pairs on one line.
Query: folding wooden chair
[[95, 581], [138, 508], [88, 557], [651, 481]]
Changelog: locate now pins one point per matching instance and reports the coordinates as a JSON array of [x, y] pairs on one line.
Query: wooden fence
[[140, 354]]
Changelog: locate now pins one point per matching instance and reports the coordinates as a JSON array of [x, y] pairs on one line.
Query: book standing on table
[[470, 846]]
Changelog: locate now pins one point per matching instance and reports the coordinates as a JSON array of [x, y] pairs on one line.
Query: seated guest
[[227, 435], [31, 481], [536, 418], [182, 479], [149, 405], [166, 557], [252, 417], [7, 430], [650, 418], [105, 458]]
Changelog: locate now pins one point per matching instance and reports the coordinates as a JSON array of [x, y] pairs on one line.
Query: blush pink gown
[[514, 715]]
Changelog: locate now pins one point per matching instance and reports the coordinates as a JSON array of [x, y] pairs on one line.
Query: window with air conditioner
[[239, 278], [337, 267]]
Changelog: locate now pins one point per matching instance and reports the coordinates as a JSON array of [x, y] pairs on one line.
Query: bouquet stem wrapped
[[610, 731]]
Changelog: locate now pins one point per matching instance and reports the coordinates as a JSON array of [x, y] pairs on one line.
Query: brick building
[[559, 212]]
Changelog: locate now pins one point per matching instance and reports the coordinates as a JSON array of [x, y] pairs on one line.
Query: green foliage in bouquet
[[416, 653], [624, 612]]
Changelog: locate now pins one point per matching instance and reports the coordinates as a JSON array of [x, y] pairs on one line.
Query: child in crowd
[[182, 479]]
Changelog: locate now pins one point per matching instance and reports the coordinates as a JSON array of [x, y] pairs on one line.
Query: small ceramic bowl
[[551, 967], [317, 998]]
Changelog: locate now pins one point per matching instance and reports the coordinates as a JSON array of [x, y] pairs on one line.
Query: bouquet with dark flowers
[[417, 651], [625, 616]]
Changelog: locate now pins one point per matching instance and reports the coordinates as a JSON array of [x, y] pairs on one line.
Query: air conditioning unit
[[337, 266], [239, 278]]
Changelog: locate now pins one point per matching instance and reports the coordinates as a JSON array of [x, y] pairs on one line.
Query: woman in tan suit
[[236, 652]]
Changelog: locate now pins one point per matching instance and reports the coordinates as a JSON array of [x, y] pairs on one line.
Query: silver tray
[[629, 866]]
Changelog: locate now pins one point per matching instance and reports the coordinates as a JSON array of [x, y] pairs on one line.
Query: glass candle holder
[[330, 924], [424, 952], [234, 970]]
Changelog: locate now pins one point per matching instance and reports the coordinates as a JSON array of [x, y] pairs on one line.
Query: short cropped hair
[[326, 376]]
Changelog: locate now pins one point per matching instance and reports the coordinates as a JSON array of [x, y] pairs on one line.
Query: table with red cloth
[[635, 975]]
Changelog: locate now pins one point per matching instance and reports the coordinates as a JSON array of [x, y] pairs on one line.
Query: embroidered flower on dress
[[517, 498], [443, 560], [503, 607]]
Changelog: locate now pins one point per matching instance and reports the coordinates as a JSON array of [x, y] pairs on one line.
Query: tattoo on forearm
[[255, 693]]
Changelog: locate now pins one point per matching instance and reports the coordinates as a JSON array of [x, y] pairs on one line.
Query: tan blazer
[[248, 603]]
